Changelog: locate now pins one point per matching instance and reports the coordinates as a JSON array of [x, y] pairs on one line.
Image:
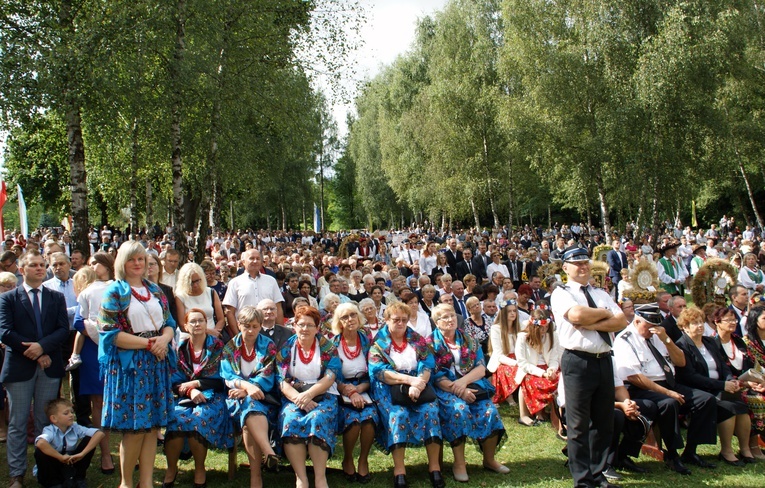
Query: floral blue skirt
[[140, 399], [460, 420], [350, 416], [240, 409], [208, 422], [404, 426], [317, 426]]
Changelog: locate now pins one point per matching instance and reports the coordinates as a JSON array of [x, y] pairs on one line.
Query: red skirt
[[504, 381], [538, 392]]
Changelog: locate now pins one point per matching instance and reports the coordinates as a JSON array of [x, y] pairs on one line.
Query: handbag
[[479, 392], [400, 395], [302, 387]]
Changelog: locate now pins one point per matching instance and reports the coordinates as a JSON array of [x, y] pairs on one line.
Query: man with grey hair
[[458, 297], [250, 288], [676, 306], [277, 333]]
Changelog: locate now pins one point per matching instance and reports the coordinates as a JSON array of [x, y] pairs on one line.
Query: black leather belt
[[593, 355]]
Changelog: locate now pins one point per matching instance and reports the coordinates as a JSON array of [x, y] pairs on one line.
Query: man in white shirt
[[646, 360], [586, 316], [170, 268], [250, 288]]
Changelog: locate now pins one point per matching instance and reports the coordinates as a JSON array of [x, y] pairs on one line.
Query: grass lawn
[[532, 453]]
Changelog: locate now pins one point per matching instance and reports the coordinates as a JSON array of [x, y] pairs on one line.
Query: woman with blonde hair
[[358, 414], [476, 325], [136, 356], [191, 291]]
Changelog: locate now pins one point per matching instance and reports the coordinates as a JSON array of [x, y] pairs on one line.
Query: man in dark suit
[[459, 298], [34, 328], [676, 306], [277, 333], [616, 260], [453, 256], [739, 301], [515, 267], [471, 265]]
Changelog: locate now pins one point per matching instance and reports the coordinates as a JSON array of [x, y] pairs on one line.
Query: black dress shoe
[[696, 460], [628, 464], [611, 474], [738, 463], [747, 459], [677, 466], [436, 480], [399, 481]]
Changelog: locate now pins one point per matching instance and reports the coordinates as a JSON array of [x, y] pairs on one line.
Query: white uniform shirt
[[633, 356], [568, 296]]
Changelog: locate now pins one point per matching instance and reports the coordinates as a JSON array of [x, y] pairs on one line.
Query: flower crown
[[541, 322], [756, 299], [540, 306], [512, 301]]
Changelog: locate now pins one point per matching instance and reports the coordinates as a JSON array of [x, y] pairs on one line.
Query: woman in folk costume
[[751, 276], [672, 271]]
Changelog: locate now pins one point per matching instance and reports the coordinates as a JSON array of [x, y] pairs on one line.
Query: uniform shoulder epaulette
[[563, 286], [626, 335]]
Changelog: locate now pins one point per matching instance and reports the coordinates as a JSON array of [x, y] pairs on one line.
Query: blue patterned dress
[[262, 375], [319, 426], [137, 387], [402, 426], [348, 414], [208, 422], [460, 420]]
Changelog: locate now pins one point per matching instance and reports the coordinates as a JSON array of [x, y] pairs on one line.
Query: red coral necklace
[[396, 347], [347, 350], [140, 297], [306, 358], [249, 357]]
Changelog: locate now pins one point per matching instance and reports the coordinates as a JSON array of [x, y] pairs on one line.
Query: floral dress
[[137, 387], [260, 372], [479, 420], [755, 400], [402, 426], [319, 426], [208, 421], [355, 371]]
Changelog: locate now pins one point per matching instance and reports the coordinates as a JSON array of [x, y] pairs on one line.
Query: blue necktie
[[463, 312], [38, 316]]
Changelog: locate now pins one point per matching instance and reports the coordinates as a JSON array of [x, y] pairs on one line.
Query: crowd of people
[[392, 339]]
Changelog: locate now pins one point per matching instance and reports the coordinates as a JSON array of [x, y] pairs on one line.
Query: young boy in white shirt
[[64, 448]]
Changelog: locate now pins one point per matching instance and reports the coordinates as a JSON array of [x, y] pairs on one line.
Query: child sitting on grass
[[64, 448]]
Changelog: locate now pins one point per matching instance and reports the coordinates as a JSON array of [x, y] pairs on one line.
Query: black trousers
[[52, 472], [588, 383], [630, 432], [701, 406]]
